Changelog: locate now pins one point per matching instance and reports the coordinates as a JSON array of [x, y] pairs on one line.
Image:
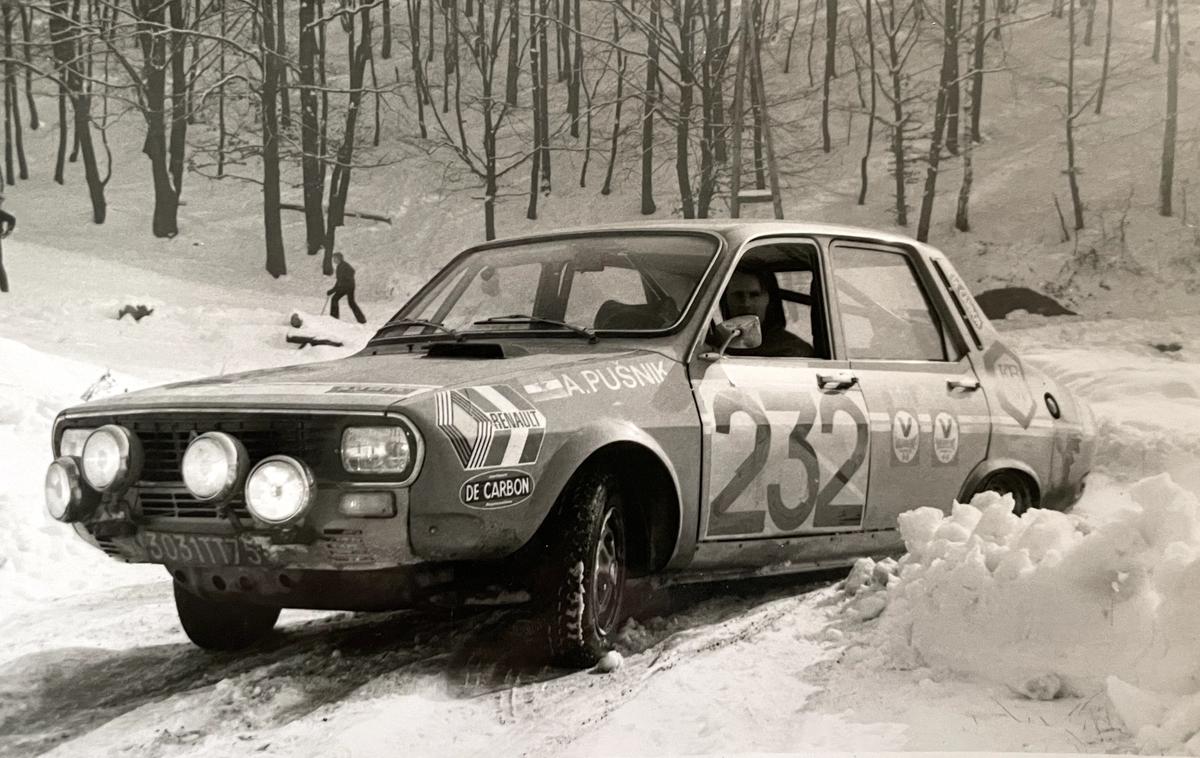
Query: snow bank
[[1052, 604], [39, 557]]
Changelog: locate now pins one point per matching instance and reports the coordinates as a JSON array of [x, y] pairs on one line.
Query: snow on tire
[[585, 571]]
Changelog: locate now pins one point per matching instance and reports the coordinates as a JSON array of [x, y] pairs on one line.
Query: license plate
[[199, 549]]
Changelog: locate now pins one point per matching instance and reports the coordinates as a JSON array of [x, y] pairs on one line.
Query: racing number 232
[[787, 517]]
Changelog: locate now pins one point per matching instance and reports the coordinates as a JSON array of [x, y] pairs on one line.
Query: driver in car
[[756, 293]]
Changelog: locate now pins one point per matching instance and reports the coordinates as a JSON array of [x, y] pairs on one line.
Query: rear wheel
[[222, 625], [1011, 483], [586, 571]]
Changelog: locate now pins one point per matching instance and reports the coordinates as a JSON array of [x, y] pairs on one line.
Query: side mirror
[[739, 332]]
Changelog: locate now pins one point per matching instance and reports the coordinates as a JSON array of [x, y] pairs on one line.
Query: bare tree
[[871, 114], [1072, 168], [831, 21], [270, 54], [940, 118], [1166, 178], [900, 32], [1108, 24], [649, 106], [312, 161]]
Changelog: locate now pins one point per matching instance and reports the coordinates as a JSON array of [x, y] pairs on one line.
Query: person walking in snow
[[7, 222], [344, 287]]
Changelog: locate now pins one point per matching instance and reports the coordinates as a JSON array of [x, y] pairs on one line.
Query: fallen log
[[356, 214], [304, 341]]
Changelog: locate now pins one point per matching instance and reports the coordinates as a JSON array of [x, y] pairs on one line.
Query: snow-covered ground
[[1051, 633]]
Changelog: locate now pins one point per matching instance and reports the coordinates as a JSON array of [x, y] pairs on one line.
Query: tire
[[585, 571], [1011, 483], [216, 625]]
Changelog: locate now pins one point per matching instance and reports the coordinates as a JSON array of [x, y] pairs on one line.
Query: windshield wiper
[[422, 322], [521, 318]]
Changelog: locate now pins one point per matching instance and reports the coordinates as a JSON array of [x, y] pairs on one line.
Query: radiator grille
[[160, 492]]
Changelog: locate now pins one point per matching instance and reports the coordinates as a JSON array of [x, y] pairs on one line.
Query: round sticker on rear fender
[[496, 489]]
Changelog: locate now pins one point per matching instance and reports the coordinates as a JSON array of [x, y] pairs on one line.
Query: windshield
[[578, 285]]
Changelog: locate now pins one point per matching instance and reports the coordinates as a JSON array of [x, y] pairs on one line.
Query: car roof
[[735, 231]]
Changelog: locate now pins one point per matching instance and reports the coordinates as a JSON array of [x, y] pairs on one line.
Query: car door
[[785, 436], [929, 418]]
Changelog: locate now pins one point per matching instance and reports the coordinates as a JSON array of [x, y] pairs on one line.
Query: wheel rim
[[608, 572]]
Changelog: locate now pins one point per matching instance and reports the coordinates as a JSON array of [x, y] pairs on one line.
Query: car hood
[[357, 383]]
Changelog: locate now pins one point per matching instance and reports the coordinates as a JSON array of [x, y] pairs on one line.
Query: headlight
[[214, 465], [72, 442], [378, 449], [64, 492], [279, 489], [112, 458]]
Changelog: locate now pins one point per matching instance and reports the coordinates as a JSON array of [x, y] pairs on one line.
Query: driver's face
[[745, 296]]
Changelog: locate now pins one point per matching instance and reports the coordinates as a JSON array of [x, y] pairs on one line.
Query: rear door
[[928, 415]]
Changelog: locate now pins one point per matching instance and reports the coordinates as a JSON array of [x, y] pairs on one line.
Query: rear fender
[[991, 466]]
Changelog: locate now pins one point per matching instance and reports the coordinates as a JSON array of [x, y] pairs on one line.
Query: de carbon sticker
[[490, 426], [945, 437], [906, 437], [496, 489]]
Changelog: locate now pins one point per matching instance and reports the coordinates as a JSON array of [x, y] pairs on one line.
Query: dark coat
[[345, 279]]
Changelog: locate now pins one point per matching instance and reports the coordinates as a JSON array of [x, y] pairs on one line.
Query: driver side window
[[779, 284]]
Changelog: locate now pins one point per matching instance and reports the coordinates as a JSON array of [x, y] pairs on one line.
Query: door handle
[[837, 380], [966, 385]]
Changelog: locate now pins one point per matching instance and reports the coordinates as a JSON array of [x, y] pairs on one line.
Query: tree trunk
[[1167, 176], [276, 263], [950, 81], [535, 75], [285, 99], [155, 61], [1108, 24], [862, 191], [179, 95], [1091, 22], [339, 189], [962, 213], [60, 158], [616, 127], [224, 27], [27, 44], [1158, 17], [940, 123], [977, 70], [513, 75], [385, 46], [682, 169], [310, 138], [649, 101], [896, 74], [544, 103], [1072, 170], [831, 19]]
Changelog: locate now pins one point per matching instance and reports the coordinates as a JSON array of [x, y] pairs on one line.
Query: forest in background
[[501, 93]]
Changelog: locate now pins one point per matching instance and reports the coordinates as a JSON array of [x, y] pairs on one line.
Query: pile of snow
[[39, 557], [1052, 604]]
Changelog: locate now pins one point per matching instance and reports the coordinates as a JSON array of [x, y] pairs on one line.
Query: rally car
[[570, 414]]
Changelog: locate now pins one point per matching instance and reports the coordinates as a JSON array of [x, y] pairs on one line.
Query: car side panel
[[566, 416]]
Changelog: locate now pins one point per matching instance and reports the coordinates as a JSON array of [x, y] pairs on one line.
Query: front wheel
[[586, 571], [217, 625]]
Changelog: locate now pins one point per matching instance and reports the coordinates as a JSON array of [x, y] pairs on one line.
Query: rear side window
[[885, 312]]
